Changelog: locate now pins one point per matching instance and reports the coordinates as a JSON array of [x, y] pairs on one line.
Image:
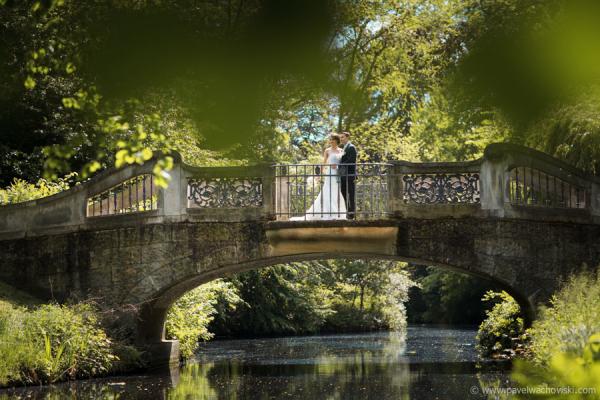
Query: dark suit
[[348, 178]]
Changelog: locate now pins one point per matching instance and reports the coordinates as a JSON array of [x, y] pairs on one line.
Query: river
[[425, 363]]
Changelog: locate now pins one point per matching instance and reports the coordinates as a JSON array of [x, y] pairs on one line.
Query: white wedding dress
[[329, 204]]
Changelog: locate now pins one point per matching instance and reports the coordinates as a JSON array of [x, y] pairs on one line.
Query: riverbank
[[379, 365]]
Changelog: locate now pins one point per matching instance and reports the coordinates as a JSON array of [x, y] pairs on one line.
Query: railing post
[[174, 196], [595, 199], [268, 191], [395, 191]]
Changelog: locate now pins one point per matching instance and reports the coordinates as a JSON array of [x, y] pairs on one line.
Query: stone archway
[[463, 245]]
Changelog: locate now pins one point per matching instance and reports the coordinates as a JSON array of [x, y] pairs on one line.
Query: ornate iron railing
[[330, 192], [224, 192], [441, 188], [532, 187], [137, 194]]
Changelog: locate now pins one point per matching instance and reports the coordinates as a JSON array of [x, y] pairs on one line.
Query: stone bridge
[[516, 216]]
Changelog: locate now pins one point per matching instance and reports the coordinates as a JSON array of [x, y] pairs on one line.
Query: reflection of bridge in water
[[516, 216]]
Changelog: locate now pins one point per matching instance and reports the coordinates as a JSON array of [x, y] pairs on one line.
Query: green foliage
[[20, 191], [189, 317], [308, 297], [368, 295], [446, 297], [365, 67], [395, 296], [570, 132], [52, 343], [564, 371], [284, 299], [441, 132], [565, 344], [572, 318], [500, 332]]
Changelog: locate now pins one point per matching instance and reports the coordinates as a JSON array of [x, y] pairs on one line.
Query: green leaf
[[120, 158], [94, 166], [29, 83], [70, 102], [146, 154]]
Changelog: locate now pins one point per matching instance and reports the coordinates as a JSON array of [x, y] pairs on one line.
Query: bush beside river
[[47, 343], [562, 348]]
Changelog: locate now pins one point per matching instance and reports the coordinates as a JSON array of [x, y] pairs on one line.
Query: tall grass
[[573, 317], [52, 343]]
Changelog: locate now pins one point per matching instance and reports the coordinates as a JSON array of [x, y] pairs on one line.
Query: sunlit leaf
[[120, 158], [29, 83], [146, 154]]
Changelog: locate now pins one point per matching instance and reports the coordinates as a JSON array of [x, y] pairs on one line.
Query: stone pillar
[[162, 354], [269, 191], [159, 352], [395, 191], [174, 196], [595, 199], [493, 186]]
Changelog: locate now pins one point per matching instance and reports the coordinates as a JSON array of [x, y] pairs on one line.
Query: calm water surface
[[426, 363]]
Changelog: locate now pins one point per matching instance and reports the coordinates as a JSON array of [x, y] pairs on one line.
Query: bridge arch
[[153, 314]]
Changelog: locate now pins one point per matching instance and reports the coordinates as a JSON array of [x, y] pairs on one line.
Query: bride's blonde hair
[[335, 137]]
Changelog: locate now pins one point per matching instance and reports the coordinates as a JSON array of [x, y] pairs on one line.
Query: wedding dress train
[[329, 204]]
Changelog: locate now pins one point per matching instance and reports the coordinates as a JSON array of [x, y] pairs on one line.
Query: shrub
[[10, 350], [52, 343], [20, 190], [188, 318], [564, 371], [572, 318], [565, 342], [499, 333]]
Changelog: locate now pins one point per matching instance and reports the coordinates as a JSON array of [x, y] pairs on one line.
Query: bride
[[330, 203]]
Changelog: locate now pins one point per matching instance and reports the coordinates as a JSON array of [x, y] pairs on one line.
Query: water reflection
[[427, 363]]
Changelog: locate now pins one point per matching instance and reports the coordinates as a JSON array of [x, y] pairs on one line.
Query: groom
[[348, 173]]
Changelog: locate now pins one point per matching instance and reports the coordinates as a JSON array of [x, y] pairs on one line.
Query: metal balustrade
[[441, 188], [297, 187], [532, 187], [223, 192], [137, 194]]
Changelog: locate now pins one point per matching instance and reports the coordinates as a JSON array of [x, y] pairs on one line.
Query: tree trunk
[[362, 297]]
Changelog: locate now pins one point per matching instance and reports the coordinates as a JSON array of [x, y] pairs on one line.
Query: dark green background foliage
[[446, 297], [308, 297]]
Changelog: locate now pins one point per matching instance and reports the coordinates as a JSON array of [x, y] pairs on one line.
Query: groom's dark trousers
[[348, 191], [348, 178]]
